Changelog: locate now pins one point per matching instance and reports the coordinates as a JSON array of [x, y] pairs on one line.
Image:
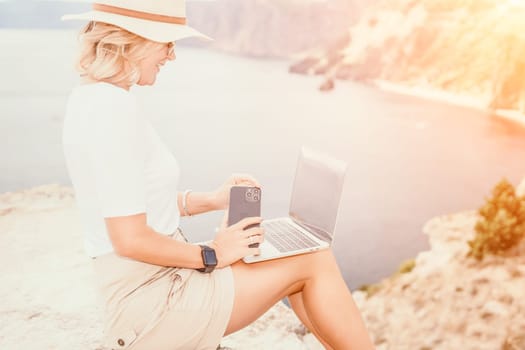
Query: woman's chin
[[146, 82]]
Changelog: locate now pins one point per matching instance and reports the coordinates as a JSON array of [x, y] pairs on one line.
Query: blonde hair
[[110, 53]]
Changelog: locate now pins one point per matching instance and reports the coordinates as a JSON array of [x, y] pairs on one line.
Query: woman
[[159, 291]]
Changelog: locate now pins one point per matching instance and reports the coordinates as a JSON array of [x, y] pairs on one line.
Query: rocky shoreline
[[443, 49]]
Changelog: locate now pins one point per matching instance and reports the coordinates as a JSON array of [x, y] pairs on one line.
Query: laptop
[[314, 205]]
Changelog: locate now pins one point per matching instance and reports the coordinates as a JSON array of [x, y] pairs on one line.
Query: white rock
[[520, 190]]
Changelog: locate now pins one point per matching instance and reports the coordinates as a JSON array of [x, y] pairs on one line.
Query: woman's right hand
[[231, 242]]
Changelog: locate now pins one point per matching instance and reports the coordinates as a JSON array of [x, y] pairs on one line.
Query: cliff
[[448, 301], [469, 48], [444, 301], [47, 289]]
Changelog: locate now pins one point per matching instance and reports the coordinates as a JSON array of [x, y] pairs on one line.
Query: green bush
[[406, 266], [370, 289], [501, 225]]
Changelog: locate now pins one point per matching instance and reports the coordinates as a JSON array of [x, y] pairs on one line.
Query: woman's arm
[[198, 202], [201, 202], [132, 238]]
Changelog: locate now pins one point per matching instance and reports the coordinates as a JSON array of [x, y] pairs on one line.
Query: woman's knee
[[294, 270]]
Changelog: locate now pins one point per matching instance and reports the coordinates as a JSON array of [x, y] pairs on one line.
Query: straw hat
[[157, 20]]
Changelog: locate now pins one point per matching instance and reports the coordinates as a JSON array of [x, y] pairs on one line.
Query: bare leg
[[296, 301], [327, 302]]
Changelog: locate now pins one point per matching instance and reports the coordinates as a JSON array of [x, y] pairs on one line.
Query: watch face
[[209, 257]]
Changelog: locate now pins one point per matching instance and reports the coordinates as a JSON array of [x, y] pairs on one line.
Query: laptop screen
[[317, 190]]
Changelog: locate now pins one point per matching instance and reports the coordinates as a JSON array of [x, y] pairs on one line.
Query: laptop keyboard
[[285, 237]]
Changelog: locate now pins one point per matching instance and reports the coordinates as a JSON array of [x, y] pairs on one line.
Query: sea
[[409, 159]]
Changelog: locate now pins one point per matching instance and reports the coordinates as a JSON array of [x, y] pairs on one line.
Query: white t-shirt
[[117, 163]]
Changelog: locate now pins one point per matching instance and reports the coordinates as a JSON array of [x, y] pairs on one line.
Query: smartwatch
[[209, 258]]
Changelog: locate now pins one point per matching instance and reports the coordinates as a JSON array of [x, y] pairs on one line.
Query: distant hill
[[263, 28], [271, 28]]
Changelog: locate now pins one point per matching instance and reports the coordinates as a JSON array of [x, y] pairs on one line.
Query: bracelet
[[184, 202]]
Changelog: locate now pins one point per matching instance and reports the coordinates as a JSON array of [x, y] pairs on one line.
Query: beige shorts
[[153, 307]]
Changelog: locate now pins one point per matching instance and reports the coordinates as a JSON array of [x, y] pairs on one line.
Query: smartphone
[[245, 202]]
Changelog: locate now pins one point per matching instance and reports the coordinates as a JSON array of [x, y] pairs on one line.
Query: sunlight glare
[[517, 3]]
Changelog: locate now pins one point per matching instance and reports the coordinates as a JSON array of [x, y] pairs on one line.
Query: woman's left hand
[[222, 194]]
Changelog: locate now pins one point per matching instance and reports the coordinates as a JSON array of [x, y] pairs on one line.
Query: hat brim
[[152, 30]]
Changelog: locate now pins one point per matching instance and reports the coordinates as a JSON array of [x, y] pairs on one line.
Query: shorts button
[[121, 342]]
